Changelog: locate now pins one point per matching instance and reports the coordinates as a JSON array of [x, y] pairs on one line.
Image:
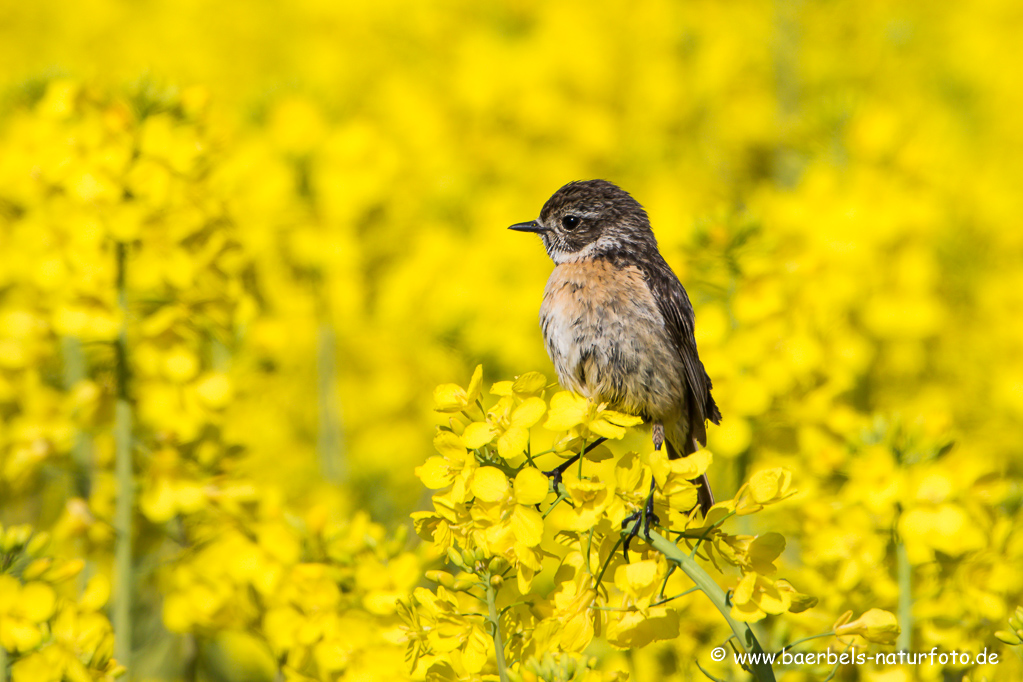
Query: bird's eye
[[570, 222]]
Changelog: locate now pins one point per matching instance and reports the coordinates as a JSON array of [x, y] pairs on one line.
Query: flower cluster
[[140, 335], [320, 596], [506, 525], [48, 631]]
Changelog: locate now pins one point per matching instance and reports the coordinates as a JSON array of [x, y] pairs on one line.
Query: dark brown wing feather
[[677, 312]]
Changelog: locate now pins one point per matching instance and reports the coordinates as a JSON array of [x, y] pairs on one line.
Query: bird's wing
[[674, 306]]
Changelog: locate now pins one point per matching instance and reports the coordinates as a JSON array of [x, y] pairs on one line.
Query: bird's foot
[[640, 521], [556, 473]]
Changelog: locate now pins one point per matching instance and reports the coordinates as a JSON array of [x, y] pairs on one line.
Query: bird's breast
[[607, 338]]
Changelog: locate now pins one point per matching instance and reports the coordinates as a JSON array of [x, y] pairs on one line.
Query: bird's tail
[[704, 495]]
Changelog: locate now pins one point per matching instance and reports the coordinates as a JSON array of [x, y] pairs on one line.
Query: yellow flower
[[582, 418], [448, 524], [590, 497], [764, 487], [509, 420], [489, 484], [452, 398], [762, 551], [531, 486], [454, 464], [525, 386], [756, 596], [800, 602], [505, 522], [640, 582], [439, 623], [673, 476], [23, 608], [634, 629], [632, 486], [571, 623]]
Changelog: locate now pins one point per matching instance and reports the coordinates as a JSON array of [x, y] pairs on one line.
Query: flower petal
[[527, 525], [567, 410], [489, 484], [449, 398], [513, 442], [529, 383], [435, 473], [477, 434], [449, 445], [531, 486], [475, 385], [529, 412]]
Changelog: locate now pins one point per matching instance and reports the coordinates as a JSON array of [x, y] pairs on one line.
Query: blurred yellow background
[[312, 198]]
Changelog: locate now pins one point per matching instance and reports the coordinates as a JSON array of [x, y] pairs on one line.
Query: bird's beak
[[531, 226]]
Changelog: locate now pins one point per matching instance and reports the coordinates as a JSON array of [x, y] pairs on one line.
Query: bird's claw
[[641, 519], [555, 476]]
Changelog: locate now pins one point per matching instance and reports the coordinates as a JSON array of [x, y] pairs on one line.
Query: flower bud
[[38, 543], [442, 577], [15, 538], [455, 557], [469, 559], [36, 568]]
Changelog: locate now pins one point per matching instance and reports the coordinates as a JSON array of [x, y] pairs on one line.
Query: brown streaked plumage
[[616, 321]]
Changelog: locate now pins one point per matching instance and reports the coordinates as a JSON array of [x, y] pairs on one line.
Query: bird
[[617, 322]]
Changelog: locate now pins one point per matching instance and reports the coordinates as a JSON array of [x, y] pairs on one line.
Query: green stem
[[796, 643], [905, 571], [589, 551], [743, 633], [125, 481], [607, 563], [495, 622], [80, 471], [330, 438], [664, 600], [706, 533], [561, 497], [74, 372], [3, 664]]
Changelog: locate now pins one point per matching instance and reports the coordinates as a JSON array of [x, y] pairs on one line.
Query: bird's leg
[[640, 519], [645, 516], [556, 473]]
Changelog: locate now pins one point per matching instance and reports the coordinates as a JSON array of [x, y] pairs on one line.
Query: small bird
[[617, 322]]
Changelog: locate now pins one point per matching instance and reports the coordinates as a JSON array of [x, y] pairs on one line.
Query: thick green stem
[[74, 372], [743, 633], [125, 482], [905, 571], [495, 622], [330, 438]]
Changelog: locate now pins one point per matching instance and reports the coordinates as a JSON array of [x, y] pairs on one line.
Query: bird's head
[[591, 218]]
